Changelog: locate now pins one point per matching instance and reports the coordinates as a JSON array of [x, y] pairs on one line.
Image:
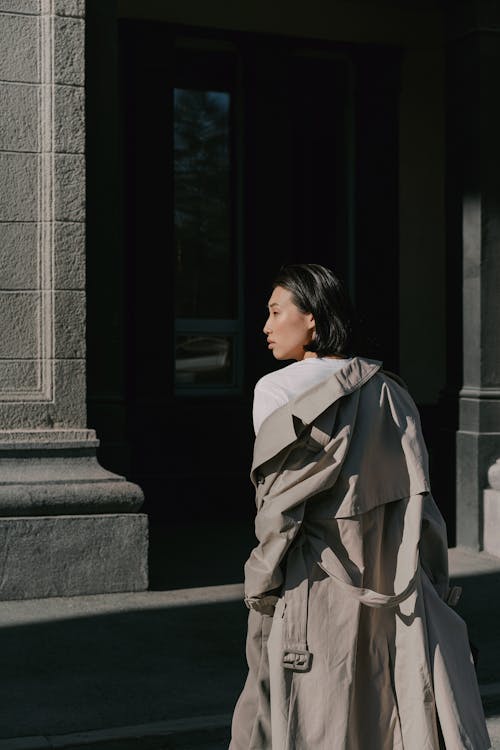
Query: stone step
[[81, 664], [147, 664], [201, 733]]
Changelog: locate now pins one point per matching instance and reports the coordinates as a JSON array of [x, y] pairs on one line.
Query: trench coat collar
[[280, 428]]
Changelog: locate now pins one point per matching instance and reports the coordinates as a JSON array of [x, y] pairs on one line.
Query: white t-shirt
[[278, 387]]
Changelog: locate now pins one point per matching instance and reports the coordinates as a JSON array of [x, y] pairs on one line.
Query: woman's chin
[[283, 355]]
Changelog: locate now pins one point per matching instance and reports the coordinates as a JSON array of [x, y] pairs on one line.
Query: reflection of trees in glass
[[203, 359], [204, 287]]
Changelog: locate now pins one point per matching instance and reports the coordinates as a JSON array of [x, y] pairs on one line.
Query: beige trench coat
[[351, 644]]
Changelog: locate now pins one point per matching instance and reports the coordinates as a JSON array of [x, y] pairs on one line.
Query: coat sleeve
[[306, 472], [433, 546]]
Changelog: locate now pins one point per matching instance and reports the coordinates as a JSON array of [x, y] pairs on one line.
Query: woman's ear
[[311, 323]]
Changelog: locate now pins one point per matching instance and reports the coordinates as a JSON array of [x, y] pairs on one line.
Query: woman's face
[[287, 328]]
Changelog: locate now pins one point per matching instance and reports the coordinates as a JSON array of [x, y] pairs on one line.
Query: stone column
[[67, 526], [474, 154], [492, 511]]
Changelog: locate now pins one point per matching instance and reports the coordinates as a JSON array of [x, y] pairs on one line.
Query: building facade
[[160, 161]]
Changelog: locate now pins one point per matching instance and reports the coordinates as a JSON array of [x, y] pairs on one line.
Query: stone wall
[[473, 64], [67, 525], [42, 214]]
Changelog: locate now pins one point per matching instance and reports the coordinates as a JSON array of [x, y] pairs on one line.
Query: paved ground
[[162, 669], [90, 663]]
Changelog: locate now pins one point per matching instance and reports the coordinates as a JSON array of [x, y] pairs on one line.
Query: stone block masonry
[[67, 526]]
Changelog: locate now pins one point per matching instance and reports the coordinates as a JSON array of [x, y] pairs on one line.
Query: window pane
[[205, 286], [203, 359]]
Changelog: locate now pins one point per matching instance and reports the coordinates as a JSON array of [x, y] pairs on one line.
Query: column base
[[68, 527], [492, 522], [72, 555], [474, 452]]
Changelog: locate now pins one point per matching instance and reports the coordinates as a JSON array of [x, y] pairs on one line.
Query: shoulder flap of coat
[[283, 426]]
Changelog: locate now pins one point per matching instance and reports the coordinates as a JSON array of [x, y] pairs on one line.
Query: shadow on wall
[[194, 554]]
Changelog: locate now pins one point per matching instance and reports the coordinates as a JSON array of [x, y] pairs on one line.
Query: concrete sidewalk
[[163, 669]]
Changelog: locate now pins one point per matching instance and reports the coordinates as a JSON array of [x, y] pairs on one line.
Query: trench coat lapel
[[280, 428]]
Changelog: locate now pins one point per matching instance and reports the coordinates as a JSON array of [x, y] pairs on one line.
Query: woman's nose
[[266, 328]]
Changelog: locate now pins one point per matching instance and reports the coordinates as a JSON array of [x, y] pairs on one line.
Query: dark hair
[[315, 289]]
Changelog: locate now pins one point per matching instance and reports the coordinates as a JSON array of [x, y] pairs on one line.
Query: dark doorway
[[240, 152]]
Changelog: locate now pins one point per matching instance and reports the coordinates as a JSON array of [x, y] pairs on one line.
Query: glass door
[[208, 301]]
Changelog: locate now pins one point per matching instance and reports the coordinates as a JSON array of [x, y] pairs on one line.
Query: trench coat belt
[[296, 654]]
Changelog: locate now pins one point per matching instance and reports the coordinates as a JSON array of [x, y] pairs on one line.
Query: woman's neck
[[327, 356]]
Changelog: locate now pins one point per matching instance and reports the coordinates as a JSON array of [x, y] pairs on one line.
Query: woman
[[351, 643]]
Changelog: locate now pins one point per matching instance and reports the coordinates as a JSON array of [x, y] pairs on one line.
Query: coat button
[[260, 478]]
